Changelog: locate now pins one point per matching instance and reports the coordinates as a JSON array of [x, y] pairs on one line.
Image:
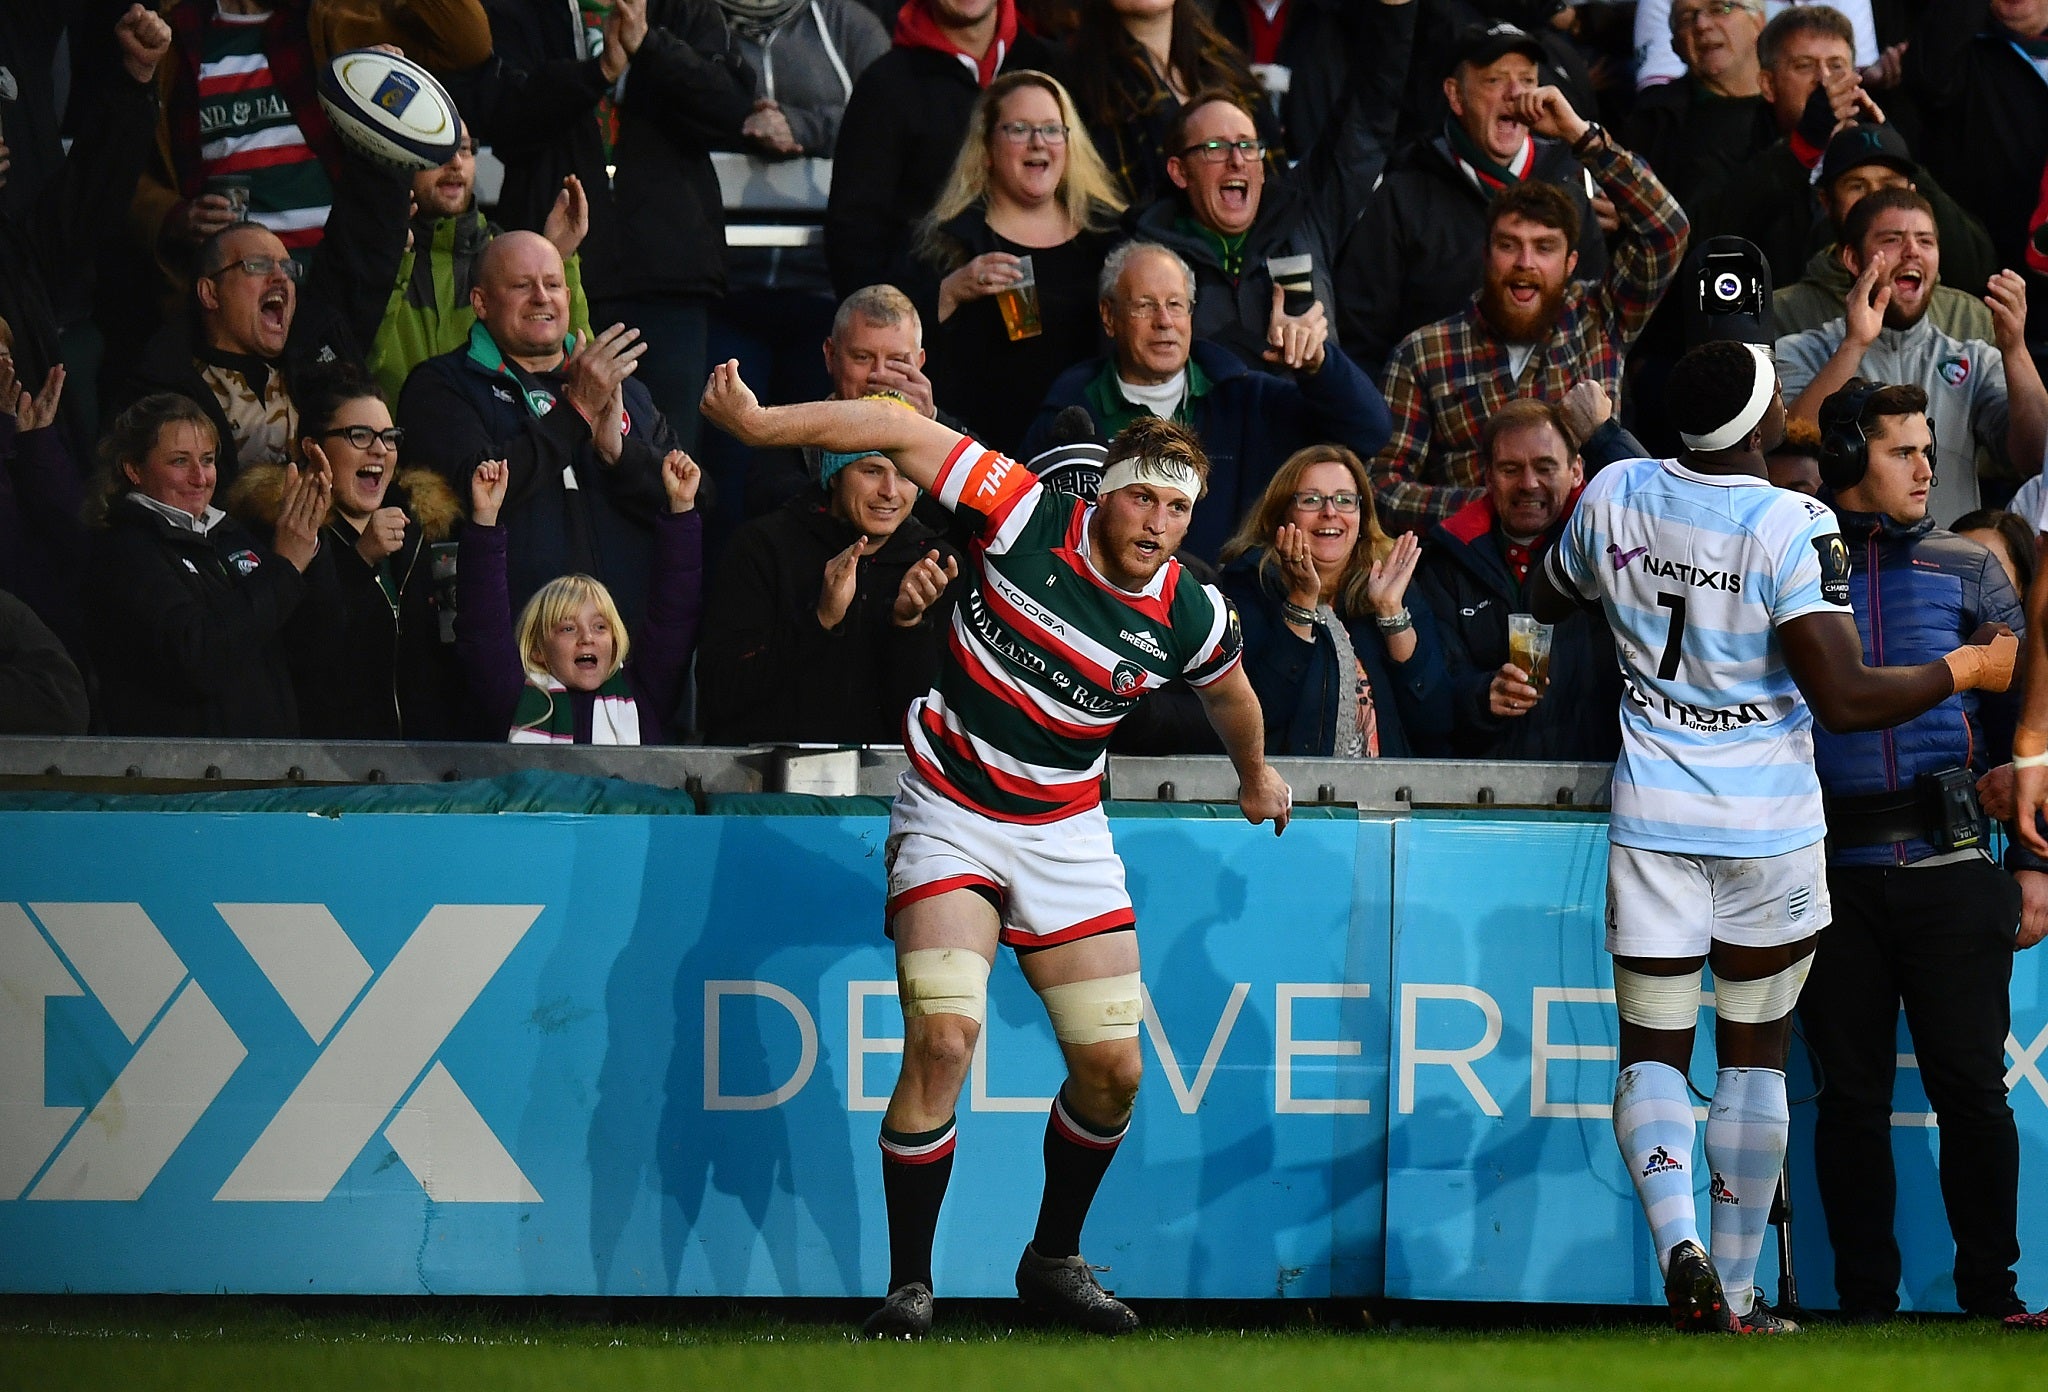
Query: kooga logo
[[377, 1035]]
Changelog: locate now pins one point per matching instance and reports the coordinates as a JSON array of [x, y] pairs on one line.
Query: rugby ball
[[390, 110]]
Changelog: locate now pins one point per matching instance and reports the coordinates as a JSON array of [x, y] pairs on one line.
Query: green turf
[[125, 1347]]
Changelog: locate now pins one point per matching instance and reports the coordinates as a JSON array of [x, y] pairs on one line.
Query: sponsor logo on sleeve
[[1834, 568]]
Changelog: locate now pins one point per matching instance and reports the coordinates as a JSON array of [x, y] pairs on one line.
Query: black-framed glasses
[[1217, 151], [261, 267], [360, 436], [1019, 132], [1313, 502]]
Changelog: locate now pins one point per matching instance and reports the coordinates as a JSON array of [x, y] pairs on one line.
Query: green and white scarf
[[542, 719]]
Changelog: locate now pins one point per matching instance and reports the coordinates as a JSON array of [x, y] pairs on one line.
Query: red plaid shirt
[[1446, 378]]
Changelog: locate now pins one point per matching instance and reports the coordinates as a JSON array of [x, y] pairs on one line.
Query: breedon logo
[[376, 1070]]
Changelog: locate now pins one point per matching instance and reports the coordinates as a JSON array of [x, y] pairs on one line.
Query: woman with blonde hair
[[560, 676], [1343, 667], [1027, 189]]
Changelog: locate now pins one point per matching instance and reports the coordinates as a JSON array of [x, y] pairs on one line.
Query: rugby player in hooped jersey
[[1729, 603], [997, 834]]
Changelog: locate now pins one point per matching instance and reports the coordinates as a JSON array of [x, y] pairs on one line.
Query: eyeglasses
[[1217, 151], [261, 267], [1313, 502], [1715, 9], [361, 435], [1149, 308], [1018, 132]]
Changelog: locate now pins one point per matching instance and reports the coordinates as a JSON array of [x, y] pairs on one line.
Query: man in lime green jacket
[[429, 311]]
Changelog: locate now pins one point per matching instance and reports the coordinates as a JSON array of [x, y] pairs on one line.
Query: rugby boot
[[1762, 1319], [906, 1314], [1692, 1289], [1065, 1289]]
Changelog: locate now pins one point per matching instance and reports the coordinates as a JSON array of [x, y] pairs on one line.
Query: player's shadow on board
[[744, 1200]]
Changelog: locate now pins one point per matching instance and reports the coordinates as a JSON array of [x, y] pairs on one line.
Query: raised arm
[[1825, 655], [919, 447]]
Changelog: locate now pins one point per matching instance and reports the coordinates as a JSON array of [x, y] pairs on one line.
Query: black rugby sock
[[1077, 1155], [915, 1170]]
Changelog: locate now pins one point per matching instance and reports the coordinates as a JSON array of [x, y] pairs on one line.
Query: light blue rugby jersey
[[1695, 572]]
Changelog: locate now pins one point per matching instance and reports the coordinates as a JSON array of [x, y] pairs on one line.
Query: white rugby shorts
[[1660, 904], [1057, 882]]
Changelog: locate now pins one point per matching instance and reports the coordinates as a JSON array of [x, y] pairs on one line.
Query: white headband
[[1172, 474], [1737, 430]]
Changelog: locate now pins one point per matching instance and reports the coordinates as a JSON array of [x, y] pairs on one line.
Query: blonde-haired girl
[[560, 676]]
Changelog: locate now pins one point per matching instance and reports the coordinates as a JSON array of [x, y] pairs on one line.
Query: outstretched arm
[[919, 447], [1825, 655]]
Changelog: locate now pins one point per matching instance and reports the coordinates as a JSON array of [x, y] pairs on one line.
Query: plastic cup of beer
[[1529, 648], [1019, 303], [235, 189]]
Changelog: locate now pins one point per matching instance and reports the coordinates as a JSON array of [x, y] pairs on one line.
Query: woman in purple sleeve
[[560, 676]]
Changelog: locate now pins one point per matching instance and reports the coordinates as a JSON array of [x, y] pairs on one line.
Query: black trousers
[[1938, 941]]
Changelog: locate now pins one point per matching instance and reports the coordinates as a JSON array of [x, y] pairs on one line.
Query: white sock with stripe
[[1653, 1125], [1747, 1126]]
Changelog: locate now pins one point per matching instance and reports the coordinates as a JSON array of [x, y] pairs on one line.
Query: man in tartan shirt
[[1530, 330]]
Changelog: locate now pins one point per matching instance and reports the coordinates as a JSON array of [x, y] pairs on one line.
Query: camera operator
[[1923, 917]]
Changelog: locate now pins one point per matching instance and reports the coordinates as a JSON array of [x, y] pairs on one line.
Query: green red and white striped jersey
[[246, 127], [1045, 656]]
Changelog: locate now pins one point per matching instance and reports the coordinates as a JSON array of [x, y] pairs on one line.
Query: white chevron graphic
[[184, 1056], [374, 1057]]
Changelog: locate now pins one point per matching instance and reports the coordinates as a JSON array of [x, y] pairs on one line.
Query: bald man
[[583, 438]]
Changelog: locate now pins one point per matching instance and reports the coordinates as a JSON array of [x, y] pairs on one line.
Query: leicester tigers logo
[[1126, 679]]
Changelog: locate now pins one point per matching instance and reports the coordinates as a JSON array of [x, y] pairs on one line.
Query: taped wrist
[[2029, 743], [1983, 666]]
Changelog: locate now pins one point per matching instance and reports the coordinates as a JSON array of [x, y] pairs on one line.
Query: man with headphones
[[1924, 917]]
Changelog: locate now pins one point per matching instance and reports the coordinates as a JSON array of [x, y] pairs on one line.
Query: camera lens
[[1728, 287]]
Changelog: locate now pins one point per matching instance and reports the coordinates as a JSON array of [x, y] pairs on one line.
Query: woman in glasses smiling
[[389, 672], [1026, 216], [1342, 665]]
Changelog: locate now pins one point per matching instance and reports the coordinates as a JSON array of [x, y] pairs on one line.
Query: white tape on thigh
[[1657, 1002], [1766, 999], [943, 981], [1089, 1012]]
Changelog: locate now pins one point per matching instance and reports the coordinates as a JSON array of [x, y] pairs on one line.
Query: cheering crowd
[[291, 447]]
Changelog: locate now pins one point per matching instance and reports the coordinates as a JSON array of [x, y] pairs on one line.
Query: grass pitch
[[140, 1345]]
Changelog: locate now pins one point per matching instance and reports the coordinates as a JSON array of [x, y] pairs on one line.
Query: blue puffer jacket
[[1918, 591]]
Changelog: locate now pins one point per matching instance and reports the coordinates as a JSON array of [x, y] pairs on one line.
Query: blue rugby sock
[[1747, 1126], [1653, 1125]]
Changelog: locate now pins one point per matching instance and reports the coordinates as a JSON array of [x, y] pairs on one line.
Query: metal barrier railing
[[153, 765]]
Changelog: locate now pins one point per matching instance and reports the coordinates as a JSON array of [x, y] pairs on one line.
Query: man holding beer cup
[[1474, 576]]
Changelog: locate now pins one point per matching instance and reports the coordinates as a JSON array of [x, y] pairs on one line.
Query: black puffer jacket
[[189, 631], [386, 672], [1465, 580], [657, 226], [1417, 252], [767, 672]]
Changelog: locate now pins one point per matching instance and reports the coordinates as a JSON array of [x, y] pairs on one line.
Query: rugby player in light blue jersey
[[1729, 604]]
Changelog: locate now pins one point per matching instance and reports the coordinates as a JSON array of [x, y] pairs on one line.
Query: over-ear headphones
[[1844, 451]]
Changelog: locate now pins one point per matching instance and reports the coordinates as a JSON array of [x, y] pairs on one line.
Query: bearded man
[[1531, 330]]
